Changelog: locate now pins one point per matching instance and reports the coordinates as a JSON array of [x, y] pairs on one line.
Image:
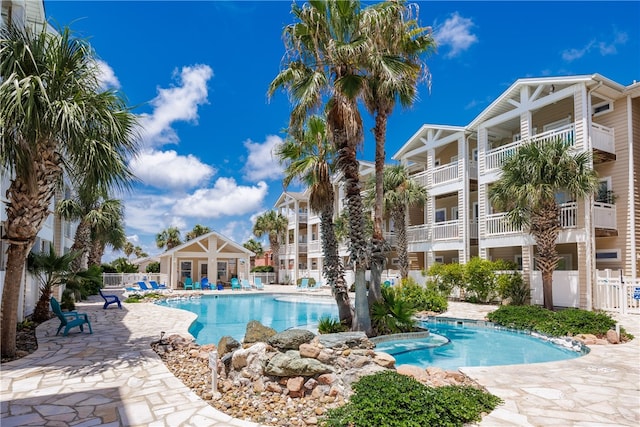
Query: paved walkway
[[113, 378]]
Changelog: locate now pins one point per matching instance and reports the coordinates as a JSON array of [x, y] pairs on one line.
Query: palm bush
[[329, 325], [393, 315]]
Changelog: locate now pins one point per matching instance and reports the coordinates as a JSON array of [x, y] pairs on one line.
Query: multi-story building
[[55, 230], [458, 166]]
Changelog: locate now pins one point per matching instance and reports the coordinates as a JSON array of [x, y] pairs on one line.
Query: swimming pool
[[452, 343]]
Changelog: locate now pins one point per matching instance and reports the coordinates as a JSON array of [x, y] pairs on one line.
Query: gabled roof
[[505, 102], [291, 195], [418, 139], [227, 241]]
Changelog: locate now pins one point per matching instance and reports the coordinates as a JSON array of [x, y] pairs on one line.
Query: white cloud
[[151, 213], [134, 238], [261, 162], [177, 103], [455, 33], [168, 169], [602, 47], [107, 77], [226, 198]]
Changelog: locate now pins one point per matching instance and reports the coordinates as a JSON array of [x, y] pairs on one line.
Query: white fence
[[614, 292], [121, 280]]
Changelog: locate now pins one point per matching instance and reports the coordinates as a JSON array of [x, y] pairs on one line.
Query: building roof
[[200, 243]]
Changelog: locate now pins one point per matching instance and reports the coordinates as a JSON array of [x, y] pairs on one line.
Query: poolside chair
[[245, 284], [143, 286], [316, 286], [157, 286], [205, 283], [257, 282], [304, 284], [109, 299], [196, 286], [69, 320], [235, 284], [188, 283]]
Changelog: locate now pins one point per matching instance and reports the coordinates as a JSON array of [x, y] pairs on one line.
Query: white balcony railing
[[420, 178], [473, 229], [602, 138], [496, 157], [473, 169], [418, 233], [314, 246], [446, 230], [498, 224], [568, 215], [445, 173], [604, 215], [390, 237]]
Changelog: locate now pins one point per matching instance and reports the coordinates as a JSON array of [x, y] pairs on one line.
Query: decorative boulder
[[290, 364], [257, 332], [344, 340], [227, 344], [291, 339]]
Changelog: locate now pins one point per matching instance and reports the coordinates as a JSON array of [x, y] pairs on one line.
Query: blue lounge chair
[[110, 299], [257, 282], [157, 286], [316, 287], [304, 284], [143, 286], [205, 283], [69, 320], [196, 286], [245, 284], [235, 284], [188, 283]]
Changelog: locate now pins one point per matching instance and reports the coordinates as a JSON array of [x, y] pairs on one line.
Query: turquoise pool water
[[452, 345]]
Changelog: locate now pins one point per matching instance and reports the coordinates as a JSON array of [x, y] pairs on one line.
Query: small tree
[[153, 267]]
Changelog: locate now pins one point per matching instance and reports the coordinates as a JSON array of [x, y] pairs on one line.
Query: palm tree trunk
[[96, 252], [275, 248], [81, 243], [401, 241], [377, 251], [545, 228], [332, 266], [27, 210]]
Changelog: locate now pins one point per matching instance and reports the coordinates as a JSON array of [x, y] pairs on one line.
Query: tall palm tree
[[198, 230], [327, 49], [106, 235], [401, 41], [400, 193], [54, 120], [140, 253], [169, 238], [527, 190], [307, 155], [273, 224], [128, 248], [254, 246]]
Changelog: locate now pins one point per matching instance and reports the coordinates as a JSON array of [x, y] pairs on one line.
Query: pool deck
[[113, 378]]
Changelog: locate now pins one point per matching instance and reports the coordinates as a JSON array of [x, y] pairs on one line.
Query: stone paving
[[113, 378]]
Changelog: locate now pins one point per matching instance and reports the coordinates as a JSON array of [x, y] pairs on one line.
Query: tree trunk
[[545, 227], [332, 266], [401, 241], [275, 248], [81, 243], [16, 258], [96, 252]]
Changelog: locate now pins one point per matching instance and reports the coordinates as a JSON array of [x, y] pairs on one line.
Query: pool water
[[220, 315], [450, 346]]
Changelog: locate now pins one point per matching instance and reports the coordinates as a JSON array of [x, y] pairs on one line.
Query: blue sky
[[197, 73]]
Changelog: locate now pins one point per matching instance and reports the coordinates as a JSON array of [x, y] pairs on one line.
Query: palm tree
[[527, 190], [94, 213], [272, 224], [169, 238], [402, 42], [254, 246], [307, 155], [113, 236], [128, 249], [198, 230], [326, 51], [55, 120], [400, 193], [52, 270], [139, 252]]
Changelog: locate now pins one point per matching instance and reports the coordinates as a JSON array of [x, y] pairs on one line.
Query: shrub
[[512, 286], [329, 325], [153, 267], [312, 281], [390, 399], [567, 322], [481, 279], [446, 277], [420, 298], [394, 314], [262, 269]]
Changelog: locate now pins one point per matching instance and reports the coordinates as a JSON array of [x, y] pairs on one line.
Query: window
[[436, 162], [438, 259], [565, 263], [454, 213], [441, 215], [518, 260], [185, 269], [607, 255], [605, 193], [602, 108]]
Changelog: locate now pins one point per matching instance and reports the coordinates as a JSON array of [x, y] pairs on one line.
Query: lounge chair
[[304, 284], [245, 284], [157, 286], [235, 284], [196, 286], [109, 299], [188, 283], [143, 286], [205, 283], [257, 282], [69, 320], [316, 287]]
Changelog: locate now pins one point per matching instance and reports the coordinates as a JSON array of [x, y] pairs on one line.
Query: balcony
[[418, 233], [390, 237], [420, 178], [602, 138], [496, 157], [499, 225], [604, 216], [445, 173], [447, 230]]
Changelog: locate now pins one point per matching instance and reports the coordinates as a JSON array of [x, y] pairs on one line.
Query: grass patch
[[390, 399]]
